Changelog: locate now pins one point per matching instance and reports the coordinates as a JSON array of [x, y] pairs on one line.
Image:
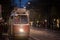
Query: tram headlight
[[21, 30]]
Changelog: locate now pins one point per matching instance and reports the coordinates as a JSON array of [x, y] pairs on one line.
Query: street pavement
[[44, 34], [41, 34]]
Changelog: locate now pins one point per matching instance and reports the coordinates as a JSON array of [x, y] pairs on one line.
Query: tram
[[19, 24]]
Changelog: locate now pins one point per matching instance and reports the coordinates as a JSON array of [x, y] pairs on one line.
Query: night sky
[[47, 7], [19, 3]]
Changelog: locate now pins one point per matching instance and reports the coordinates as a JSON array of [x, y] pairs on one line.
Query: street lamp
[[28, 2]]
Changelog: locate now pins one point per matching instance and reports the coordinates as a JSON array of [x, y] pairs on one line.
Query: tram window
[[23, 19], [16, 20]]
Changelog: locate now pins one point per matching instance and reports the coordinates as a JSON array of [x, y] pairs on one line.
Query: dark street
[[40, 34], [29, 19], [44, 34]]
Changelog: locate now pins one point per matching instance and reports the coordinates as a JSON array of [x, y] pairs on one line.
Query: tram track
[[33, 38]]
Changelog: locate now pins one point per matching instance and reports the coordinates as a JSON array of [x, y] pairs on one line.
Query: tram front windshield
[[21, 19]]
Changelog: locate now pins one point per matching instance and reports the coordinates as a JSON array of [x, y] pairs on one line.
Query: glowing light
[[54, 19], [58, 23], [21, 30], [28, 2], [24, 7], [45, 20]]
